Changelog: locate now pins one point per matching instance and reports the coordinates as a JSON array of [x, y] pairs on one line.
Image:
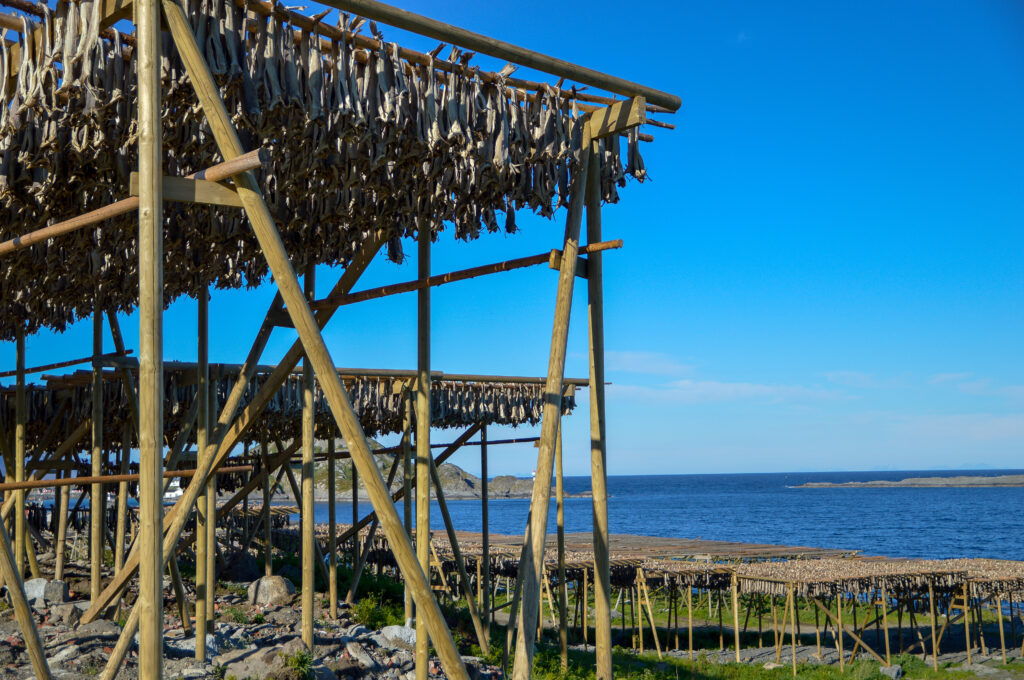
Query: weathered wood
[[460, 564], [64, 364], [192, 191], [736, 615], [251, 160], [109, 479], [552, 258], [885, 624], [935, 645], [423, 438], [399, 18], [308, 536], [205, 586], [840, 630], [618, 118], [967, 621], [62, 532], [22, 611], [332, 527], [650, 613], [407, 462], [122, 501], [97, 498], [1002, 633], [268, 533], [151, 302], [19, 452], [563, 627], [485, 541], [360, 561], [536, 534], [179, 596]]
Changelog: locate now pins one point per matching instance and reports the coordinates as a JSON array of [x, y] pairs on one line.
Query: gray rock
[[55, 592], [38, 604], [99, 627], [356, 631], [181, 648], [35, 588], [68, 614], [69, 652], [398, 637], [895, 671], [359, 653], [275, 590]]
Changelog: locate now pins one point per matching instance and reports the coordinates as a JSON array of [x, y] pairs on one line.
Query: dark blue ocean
[[765, 508]]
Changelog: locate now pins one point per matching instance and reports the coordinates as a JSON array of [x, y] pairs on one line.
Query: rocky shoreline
[[923, 482]]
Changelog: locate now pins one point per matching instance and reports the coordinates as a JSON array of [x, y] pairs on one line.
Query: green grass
[[375, 613], [236, 614], [301, 663]]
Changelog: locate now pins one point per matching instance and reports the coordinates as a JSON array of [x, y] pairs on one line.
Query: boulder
[[35, 588], [895, 671], [275, 590], [398, 637], [68, 614], [55, 592]]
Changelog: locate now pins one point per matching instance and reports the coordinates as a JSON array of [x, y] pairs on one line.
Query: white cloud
[[652, 363]]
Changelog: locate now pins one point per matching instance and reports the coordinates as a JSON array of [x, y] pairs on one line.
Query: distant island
[[923, 482], [456, 482]]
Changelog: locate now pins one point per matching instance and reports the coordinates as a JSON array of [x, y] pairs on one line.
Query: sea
[[933, 523]]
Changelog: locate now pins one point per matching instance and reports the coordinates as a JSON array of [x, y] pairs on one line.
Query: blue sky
[[825, 272]]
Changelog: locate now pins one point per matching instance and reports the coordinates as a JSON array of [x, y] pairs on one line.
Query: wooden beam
[[554, 256], [22, 611], [536, 533], [192, 191], [245, 162], [555, 262], [399, 18], [840, 630], [618, 118], [307, 529], [204, 521], [423, 422]]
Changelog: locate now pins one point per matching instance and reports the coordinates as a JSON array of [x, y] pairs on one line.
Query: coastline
[[959, 481]]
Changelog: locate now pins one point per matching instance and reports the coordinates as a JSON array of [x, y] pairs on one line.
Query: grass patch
[[300, 663], [375, 613]]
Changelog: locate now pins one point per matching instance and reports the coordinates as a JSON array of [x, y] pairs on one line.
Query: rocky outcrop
[[271, 590]]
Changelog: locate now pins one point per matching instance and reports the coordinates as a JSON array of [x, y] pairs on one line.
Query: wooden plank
[[399, 18], [618, 117], [555, 262], [192, 191]]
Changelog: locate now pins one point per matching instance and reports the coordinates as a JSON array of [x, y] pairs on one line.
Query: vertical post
[[792, 632], [19, 454], [268, 540], [689, 620], [406, 453], [355, 517], [536, 533], [563, 630], [598, 448], [967, 622], [935, 651], [839, 632], [885, 623], [1002, 633], [211, 525], [332, 528], [736, 614], [122, 499], [205, 589], [423, 437], [308, 558], [97, 502], [62, 529], [22, 611], [485, 547], [151, 299]]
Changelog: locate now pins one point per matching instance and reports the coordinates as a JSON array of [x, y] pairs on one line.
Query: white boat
[[173, 492]]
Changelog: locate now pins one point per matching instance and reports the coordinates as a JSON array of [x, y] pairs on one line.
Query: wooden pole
[[355, 515], [407, 465], [423, 438], [536, 534], [792, 632], [967, 622], [736, 614], [839, 632], [485, 547], [97, 499], [22, 611], [499, 49], [122, 500], [203, 582], [151, 299], [62, 531], [459, 562], [308, 330], [268, 540], [1002, 633], [598, 446], [885, 623], [935, 646], [19, 453], [689, 620], [563, 630], [308, 559], [179, 595], [332, 528]]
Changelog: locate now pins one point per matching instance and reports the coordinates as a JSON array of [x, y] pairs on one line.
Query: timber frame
[[233, 184]]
